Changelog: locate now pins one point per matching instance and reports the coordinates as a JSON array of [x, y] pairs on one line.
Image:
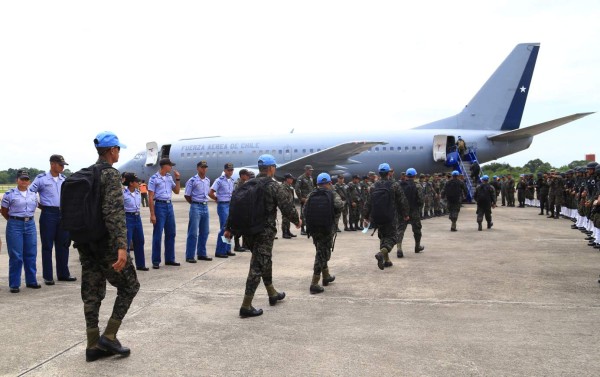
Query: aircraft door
[[439, 148], [287, 152], [151, 153]]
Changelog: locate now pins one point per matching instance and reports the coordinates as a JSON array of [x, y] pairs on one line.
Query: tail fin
[[500, 102]]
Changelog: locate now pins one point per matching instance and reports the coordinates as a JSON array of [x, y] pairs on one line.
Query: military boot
[[314, 285], [386, 260], [327, 278], [380, 256], [399, 252], [247, 310], [453, 227], [479, 226], [109, 342], [351, 227], [274, 296], [358, 227], [418, 247], [92, 352], [302, 231]]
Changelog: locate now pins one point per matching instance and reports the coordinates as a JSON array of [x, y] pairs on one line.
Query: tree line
[[531, 167], [10, 176]]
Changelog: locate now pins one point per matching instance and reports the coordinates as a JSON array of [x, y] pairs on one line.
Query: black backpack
[[410, 191], [247, 213], [453, 190], [81, 205], [318, 212], [383, 207]]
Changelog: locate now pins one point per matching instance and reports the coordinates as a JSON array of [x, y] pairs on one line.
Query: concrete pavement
[[519, 299]]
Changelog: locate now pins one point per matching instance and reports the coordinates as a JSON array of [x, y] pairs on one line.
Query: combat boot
[[327, 278], [479, 226], [247, 310], [386, 260], [92, 352], [352, 228], [419, 248], [358, 227], [346, 228], [314, 285], [399, 252], [302, 231], [286, 236], [453, 226], [278, 297], [381, 259], [291, 234], [109, 342], [490, 224]]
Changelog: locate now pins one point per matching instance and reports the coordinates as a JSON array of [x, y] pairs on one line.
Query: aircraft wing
[[537, 129], [327, 159]]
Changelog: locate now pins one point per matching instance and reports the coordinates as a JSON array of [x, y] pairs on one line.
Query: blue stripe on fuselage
[[515, 111]]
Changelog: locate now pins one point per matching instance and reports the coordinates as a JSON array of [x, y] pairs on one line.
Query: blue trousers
[[52, 234], [197, 231], [223, 212], [135, 232], [165, 220], [21, 241]]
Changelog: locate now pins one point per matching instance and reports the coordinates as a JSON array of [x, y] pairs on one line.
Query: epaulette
[[63, 176], [41, 175]]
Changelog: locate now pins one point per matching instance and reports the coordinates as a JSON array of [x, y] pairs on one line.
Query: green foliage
[[531, 167], [10, 176]]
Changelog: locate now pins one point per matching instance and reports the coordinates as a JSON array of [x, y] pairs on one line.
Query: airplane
[[489, 124]]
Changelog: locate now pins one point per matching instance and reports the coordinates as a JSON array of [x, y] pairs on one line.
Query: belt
[[50, 207], [224, 202], [162, 201], [203, 203], [132, 213], [21, 218]]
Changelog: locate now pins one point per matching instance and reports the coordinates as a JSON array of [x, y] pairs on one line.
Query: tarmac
[[520, 299]]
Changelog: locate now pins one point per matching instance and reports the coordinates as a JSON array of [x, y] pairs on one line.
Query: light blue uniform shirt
[[133, 200], [48, 189], [197, 188], [223, 187], [19, 205], [161, 186]]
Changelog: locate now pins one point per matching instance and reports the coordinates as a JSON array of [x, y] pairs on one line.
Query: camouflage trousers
[[285, 224], [387, 236], [324, 244], [354, 213], [484, 211], [454, 209], [415, 223], [96, 269], [345, 214], [261, 265]]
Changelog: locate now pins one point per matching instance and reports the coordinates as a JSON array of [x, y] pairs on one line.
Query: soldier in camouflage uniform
[[107, 259], [261, 244], [414, 199], [509, 186], [304, 186], [437, 190], [354, 202], [244, 176], [364, 193], [556, 194], [285, 221], [387, 232], [324, 239], [453, 192], [342, 190]]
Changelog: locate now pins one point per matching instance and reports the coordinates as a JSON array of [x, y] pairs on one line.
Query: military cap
[[421, 175], [202, 164], [244, 172], [288, 175], [108, 139], [21, 174], [552, 170], [383, 168], [228, 166], [373, 173], [365, 177], [58, 159], [356, 176], [166, 161], [592, 165], [597, 169], [129, 177], [308, 167], [266, 160]]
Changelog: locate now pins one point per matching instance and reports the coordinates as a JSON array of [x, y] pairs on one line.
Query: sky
[[163, 71]]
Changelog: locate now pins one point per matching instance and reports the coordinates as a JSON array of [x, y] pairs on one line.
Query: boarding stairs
[[463, 165]]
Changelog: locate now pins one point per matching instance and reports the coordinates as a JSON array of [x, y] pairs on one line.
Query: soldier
[[196, 194], [354, 203], [424, 209], [521, 186], [397, 208], [364, 187], [135, 232], [485, 197], [510, 190], [414, 198], [542, 189], [453, 191], [304, 186], [503, 189], [48, 186], [342, 190], [437, 190], [160, 188], [107, 259], [555, 194], [261, 244], [496, 185], [243, 178], [323, 238], [220, 192], [289, 190]]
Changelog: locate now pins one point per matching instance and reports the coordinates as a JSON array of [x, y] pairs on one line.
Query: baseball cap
[[384, 168], [288, 175], [323, 178], [266, 160], [129, 177], [107, 139], [202, 164], [243, 172], [166, 161], [59, 159], [228, 166], [308, 167], [23, 174]]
